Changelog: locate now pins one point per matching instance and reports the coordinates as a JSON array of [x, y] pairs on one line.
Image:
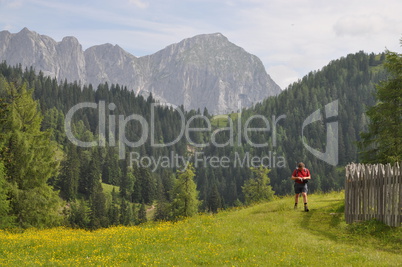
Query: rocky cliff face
[[202, 71], [63, 60]]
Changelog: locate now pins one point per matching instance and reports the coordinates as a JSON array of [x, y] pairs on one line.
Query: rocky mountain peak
[[70, 40], [206, 70]]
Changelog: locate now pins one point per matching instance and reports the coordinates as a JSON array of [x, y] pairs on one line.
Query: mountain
[[203, 71]]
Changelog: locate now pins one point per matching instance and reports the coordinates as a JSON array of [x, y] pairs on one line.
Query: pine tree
[[148, 186], [114, 211], [214, 199], [5, 219], [257, 188], [126, 216], [383, 141], [70, 174], [142, 214], [162, 206], [90, 175], [127, 184], [136, 195], [97, 203], [144, 186], [30, 161], [79, 216], [111, 173], [184, 194]]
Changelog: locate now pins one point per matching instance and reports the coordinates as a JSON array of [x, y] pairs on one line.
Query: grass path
[[268, 234]]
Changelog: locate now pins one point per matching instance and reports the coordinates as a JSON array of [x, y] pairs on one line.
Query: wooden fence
[[373, 191]]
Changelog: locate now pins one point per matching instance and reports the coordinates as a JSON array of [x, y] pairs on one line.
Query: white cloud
[[306, 35], [360, 25]]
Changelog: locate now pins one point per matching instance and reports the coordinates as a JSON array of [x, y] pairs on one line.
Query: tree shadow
[[318, 222]]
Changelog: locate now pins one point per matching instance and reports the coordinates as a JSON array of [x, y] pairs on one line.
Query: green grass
[[220, 121], [108, 188], [267, 234]]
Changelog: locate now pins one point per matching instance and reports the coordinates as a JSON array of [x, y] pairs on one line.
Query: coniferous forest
[[48, 180]]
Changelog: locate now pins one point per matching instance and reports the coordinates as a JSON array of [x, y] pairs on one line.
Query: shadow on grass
[[329, 222]]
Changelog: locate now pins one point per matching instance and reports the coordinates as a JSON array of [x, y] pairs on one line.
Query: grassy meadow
[[267, 234], [223, 120]]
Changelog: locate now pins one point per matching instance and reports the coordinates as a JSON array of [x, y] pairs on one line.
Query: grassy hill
[[266, 234]]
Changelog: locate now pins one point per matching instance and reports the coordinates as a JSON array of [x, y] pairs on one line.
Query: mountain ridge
[[205, 70]]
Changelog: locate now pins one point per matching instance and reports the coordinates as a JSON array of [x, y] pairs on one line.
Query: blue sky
[[291, 37]]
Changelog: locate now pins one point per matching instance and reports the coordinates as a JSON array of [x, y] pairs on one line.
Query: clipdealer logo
[[243, 131]]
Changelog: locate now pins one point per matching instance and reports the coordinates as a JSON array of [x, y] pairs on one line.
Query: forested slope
[[78, 172], [350, 80]]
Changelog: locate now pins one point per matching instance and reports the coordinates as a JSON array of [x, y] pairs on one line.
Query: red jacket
[[301, 173]]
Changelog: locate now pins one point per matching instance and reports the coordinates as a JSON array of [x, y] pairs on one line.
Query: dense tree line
[[38, 161], [80, 173]]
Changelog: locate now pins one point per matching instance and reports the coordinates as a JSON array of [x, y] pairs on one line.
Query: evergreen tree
[[54, 122], [136, 195], [114, 211], [97, 203], [79, 215], [5, 219], [383, 141], [184, 194], [142, 214], [214, 199], [30, 161], [257, 188], [144, 186], [135, 213], [127, 184], [70, 174], [126, 216], [148, 186], [162, 206], [90, 175], [111, 173], [162, 210]]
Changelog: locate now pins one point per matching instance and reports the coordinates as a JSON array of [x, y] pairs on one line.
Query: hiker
[[301, 176]]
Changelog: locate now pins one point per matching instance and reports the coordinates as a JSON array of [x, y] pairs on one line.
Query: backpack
[[297, 172]]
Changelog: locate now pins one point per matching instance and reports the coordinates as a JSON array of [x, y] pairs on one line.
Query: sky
[[291, 37]]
